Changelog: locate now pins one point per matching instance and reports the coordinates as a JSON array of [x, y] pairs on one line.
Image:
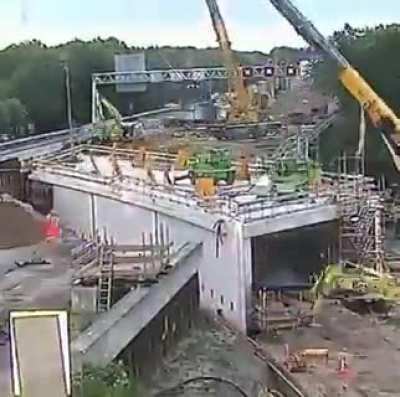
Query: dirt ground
[[370, 343], [31, 287], [211, 351], [18, 227]]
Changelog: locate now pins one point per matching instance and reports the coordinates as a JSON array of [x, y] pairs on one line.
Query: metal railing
[[17, 146], [223, 203]]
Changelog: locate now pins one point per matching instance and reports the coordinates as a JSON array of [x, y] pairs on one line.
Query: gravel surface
[[212, 351], [371, 344]]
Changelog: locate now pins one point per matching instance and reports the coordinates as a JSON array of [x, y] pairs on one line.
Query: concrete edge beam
[[292, 220], [190, 214]]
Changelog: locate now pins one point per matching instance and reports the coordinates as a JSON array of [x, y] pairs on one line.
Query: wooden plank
[[136, 248], [137, 259], [81, 272]]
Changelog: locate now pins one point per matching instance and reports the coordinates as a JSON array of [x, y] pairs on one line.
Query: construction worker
[[52, 229]]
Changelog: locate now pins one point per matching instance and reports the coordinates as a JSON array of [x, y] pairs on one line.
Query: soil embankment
[[18, 227]]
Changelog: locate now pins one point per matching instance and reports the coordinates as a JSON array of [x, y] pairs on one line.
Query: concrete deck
[[130, 204], [260, 217]]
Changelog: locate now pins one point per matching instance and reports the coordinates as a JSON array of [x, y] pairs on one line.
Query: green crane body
[[214, 163], [295, 176]]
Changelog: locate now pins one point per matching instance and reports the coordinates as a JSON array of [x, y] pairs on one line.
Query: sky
[[252, 24]]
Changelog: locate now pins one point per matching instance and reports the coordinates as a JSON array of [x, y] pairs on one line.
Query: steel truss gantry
[[264, 72]]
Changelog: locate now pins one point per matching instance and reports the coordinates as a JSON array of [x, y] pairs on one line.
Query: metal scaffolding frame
[[362, 224]]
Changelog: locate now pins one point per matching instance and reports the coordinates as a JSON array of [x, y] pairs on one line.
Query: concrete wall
[[225, 281], [161, 334], [124, 222], [74, 209], [12, 181]]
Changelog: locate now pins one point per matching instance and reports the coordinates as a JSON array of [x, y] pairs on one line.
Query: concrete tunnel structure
[[227, 268]]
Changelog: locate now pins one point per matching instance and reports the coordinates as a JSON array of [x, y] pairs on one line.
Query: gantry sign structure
[[194, 75]]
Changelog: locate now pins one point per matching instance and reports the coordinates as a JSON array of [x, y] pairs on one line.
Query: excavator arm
[[113, 128], [380, 114], [241, 104]]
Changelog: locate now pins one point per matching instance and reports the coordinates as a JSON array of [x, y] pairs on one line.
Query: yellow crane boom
[[380, 114], [242, 109]]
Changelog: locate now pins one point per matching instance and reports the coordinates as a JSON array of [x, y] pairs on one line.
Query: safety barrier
[[223, 203]]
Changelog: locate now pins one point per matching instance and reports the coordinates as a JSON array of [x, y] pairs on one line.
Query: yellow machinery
[[359, 280], [241, 102], [380, 114], [352, 281]]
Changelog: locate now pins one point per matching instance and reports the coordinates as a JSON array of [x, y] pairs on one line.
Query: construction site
[[203, 245]]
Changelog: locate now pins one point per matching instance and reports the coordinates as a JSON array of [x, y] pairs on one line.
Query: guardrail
[[224, 202], [75, 135], [17, 146]]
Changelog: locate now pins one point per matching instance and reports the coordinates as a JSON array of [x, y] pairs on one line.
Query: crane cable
[[395, 157], [361, 140]]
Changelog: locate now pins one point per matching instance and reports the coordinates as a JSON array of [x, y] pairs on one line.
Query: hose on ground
[[180, 386]]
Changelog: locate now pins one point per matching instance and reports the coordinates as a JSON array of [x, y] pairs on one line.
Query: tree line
[[373, 51], [32, 78]]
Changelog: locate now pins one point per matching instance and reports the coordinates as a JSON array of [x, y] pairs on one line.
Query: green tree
[[34, 74], [4, 118], [18, 116], [13, 117], [374, 53], [39, 85]]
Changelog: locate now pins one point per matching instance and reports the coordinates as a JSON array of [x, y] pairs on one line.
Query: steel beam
[[181, 75]]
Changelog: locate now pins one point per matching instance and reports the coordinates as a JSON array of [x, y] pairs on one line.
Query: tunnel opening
[[283, 266], [290, 257]]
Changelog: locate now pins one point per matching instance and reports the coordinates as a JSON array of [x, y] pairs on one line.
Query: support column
[[93, 215], [245, 277], [94, 101]]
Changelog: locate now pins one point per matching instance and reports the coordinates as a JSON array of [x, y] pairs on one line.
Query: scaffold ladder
[[104, 301]]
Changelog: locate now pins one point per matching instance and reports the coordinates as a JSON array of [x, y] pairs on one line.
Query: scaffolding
[[362, 212], [103, 263]]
